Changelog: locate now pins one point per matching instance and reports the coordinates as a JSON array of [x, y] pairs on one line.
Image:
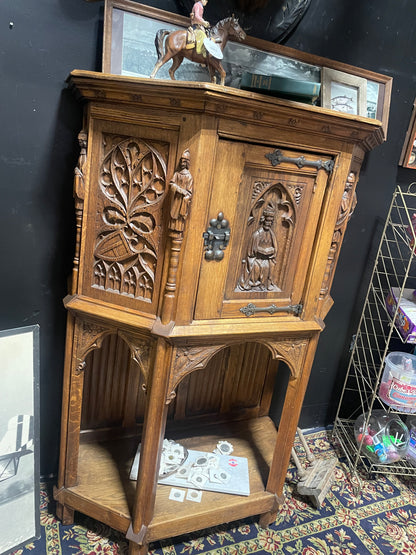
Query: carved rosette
[[132, 188], [346, 210], [291, 351], [90, 337], [268, 237], [187, 360]]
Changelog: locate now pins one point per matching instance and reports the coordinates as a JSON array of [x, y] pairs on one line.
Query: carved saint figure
[[261, 254], [181, 187]]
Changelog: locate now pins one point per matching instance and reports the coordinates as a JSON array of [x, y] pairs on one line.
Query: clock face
[[270, 20]]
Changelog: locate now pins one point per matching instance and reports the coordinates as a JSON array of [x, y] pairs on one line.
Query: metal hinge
[[277, 157], [251, 309]]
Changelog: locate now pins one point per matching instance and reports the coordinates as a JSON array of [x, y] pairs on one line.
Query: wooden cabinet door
[[273, 212], [122, 251]]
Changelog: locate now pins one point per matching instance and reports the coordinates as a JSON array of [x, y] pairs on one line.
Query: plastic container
[[398, 384], [383, 438], [411, 452]]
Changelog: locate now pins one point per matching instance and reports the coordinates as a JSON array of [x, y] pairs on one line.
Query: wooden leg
[[135, 549], [154, 430], [268, 518], [289, 420], [65, 514]]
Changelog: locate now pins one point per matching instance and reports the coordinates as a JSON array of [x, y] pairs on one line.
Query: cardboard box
[[406, 315]]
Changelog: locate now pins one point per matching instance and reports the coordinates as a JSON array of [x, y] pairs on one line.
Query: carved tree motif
[[269, 233], [291, 351], [132, 186], [189, 359], [346, 210], [91, 337]]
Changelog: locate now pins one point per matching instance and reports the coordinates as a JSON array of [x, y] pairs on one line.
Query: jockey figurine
[[199, 25], [197, 15]]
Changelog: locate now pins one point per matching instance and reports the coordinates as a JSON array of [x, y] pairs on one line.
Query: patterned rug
[[381, 520]]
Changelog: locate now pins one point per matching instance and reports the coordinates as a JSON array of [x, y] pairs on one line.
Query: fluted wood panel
[[111, 378], [232, 380], [204, 387], [246, 372]]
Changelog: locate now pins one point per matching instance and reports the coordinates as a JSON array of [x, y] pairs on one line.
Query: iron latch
[[216, 238]]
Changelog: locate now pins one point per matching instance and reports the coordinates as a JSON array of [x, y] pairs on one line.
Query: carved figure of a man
[[261, 254], [181, 186]]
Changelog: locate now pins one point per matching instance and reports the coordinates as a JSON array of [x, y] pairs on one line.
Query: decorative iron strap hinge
[[251, 309], [277, 157]]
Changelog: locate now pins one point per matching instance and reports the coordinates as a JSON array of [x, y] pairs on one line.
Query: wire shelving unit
[[377, 335]]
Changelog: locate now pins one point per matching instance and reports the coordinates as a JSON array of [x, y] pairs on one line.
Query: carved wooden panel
[[131, 189], [268, 235]]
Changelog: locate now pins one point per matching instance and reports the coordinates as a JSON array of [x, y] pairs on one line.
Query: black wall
[[40, 43]]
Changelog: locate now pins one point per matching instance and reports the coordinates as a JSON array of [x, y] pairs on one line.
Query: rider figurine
[[199, 25], [197, 15]]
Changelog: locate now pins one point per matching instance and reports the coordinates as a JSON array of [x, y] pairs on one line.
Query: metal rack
[[377, 335]]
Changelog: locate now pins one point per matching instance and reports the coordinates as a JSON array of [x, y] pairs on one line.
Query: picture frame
[[408, 154], [128, 49], [19, 438], [344, 92]]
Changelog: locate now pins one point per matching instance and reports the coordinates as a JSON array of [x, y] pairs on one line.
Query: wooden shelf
[[104, 485]]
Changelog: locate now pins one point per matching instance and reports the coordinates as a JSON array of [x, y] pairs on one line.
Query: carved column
[[79, 195], [181, 186]]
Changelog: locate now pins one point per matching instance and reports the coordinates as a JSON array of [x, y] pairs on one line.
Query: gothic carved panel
[[269, 233], [132, 186]]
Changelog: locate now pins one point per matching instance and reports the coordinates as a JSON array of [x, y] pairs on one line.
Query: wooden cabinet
[[209, 222]]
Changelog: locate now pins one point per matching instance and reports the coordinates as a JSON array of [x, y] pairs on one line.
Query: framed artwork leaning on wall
[[19, 437], [408, 154]]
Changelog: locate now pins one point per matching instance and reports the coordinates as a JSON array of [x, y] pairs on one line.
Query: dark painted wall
[[40, 43]]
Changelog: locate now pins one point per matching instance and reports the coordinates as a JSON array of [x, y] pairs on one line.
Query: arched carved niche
[[268, 236], [132, 186], [115, 380], [187, 359]]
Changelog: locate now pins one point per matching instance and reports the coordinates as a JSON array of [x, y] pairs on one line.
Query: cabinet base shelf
[[106, 493]]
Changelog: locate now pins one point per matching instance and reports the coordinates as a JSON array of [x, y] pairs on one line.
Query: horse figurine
[[176, 42]]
